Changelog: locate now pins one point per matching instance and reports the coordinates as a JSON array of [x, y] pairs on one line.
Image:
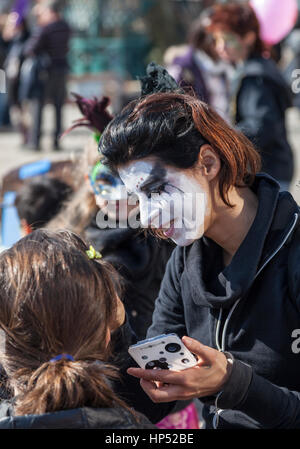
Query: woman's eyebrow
[[157, 175]]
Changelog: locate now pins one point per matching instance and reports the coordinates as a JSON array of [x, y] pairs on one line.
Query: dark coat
[[141, 261], [261, 100], [250, 309], [12, 66], [81, 418], [53, 40]]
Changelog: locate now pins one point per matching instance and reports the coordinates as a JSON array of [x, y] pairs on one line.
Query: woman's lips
[[170, 231]]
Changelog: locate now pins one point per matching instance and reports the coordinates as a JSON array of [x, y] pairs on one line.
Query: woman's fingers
[[205, 354], [157, 375], [163, 393]]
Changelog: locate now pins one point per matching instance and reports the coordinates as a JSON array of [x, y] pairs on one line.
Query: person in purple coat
[[197, 66]]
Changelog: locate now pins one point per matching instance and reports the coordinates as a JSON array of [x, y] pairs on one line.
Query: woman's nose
[[220, 45], [148, 214]]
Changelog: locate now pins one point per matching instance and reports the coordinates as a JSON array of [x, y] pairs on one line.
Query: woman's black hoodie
[[251, 308]]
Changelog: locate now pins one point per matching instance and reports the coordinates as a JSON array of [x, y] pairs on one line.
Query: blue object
[[34, 169], [151, 339], [62, 356], [10, 228], [10, 222]]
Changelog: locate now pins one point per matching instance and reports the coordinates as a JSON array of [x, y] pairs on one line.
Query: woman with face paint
[[231, 287]]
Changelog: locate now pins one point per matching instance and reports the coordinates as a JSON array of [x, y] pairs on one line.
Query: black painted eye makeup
[[156, 182], [162, 188], [157, 189]]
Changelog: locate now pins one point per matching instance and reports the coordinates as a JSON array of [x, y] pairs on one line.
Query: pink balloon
[[276, 17]]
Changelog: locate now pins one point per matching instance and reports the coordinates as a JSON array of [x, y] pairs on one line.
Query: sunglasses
[[107, 185]]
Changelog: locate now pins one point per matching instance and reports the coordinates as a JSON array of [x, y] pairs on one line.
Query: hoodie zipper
[[222, 346]]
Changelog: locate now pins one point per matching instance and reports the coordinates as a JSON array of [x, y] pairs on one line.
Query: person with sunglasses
[[115, 232], [260, 95]]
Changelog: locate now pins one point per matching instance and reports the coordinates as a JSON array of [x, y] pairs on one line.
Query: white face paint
[[168, 199]]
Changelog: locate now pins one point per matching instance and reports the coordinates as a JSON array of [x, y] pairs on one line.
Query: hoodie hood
[[80, 418], [222, 287]]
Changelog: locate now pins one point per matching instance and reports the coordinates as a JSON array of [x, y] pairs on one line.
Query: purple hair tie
[[62, 356]]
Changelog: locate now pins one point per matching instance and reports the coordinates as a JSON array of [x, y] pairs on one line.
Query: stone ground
[[12, 154]]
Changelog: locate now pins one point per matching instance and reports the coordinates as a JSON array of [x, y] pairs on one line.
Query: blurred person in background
[[199, 66], [291, 68], [261, 96], [4, 109], [50, 45], [39, 201], [16, 34]]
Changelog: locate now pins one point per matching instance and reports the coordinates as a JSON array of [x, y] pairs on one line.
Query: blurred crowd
[[34, 41], [225, 61]]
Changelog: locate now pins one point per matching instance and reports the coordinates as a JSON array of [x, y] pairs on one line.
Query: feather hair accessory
[[95, 114], [158, 79]]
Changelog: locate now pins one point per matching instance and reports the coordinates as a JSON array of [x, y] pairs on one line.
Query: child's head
[[110, 193], [55, 300], [40, 200]]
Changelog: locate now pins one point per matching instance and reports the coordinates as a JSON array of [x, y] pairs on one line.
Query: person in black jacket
[[260, 95], [50, 45], [16, 33], [59, 305], [231, 288]]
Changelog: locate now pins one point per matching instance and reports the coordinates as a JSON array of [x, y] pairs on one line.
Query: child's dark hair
[[41, 199], [55, 300]]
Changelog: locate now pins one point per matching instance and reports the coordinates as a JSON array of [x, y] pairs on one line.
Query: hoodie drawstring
[[221, 347]]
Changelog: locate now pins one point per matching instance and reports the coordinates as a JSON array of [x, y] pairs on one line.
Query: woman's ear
[[209, 162]]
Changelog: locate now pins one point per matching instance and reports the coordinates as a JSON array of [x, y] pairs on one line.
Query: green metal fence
[[125, 56], [104, 38]]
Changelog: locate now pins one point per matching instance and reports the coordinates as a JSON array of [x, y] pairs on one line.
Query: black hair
[[41, 199], [169, 135]]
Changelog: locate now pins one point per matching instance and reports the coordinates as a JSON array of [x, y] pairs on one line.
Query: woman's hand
[[204, 379]]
